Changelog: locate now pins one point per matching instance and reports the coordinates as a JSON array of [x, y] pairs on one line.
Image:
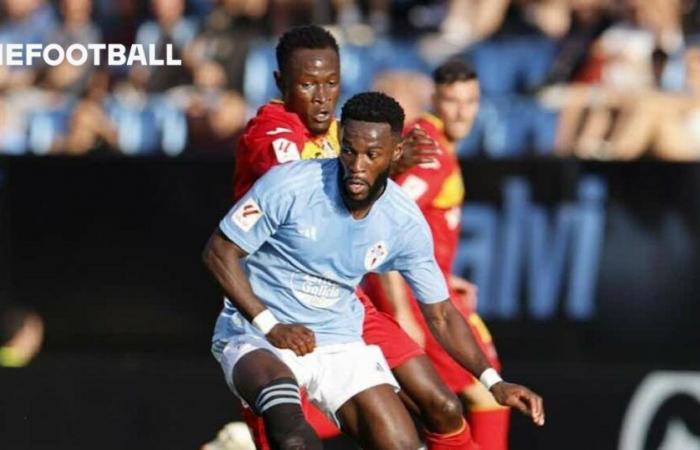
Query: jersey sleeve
[[271, 143], [258, 214], [416, 262]]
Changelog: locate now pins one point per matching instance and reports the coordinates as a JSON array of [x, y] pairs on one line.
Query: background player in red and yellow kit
[[302, 126], [438, 189]]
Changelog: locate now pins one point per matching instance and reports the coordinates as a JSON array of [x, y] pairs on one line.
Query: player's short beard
[[375, 190]]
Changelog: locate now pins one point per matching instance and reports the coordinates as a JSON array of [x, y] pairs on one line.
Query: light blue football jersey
[[307, 254]]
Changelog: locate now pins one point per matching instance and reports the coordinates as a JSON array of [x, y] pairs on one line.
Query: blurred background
[[581, 227]]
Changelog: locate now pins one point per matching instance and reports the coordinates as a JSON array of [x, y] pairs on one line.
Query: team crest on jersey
[[247, 215], [376, 255], [285, 150]]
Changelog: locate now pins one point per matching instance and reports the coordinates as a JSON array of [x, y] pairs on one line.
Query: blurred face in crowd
[[310, 86], [168, 11], [248, 8], [692, 68], [456, 104], [76, 11], [367, 152], [18, 9]]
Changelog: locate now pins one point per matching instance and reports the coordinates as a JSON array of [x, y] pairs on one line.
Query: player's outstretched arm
[[453, 333], [222, 258], [418, 148]]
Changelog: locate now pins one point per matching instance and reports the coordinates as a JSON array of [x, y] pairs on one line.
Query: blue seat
[[510, 126], [137, 128], [512, 64], [397, 54], [258, 82], [46, 126]]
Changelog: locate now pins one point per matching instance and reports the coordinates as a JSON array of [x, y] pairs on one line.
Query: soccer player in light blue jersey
[[307, 233]]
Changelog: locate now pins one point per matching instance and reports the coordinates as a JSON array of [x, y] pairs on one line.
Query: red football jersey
[[275, 136], [438, 189]]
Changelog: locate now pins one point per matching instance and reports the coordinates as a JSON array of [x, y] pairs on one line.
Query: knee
[[445, 409]]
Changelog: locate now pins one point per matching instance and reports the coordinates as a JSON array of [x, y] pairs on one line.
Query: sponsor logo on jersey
[[278, 130], [315, 291], [414, 186], [247, 215], [376, 255], [432, 164], [285, 150]]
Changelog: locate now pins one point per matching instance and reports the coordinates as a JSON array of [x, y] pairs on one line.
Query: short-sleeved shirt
[[307, 254], [276, 136], [438, 189]]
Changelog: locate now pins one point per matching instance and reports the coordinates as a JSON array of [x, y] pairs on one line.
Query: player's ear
[[279, 82], [398, 150]]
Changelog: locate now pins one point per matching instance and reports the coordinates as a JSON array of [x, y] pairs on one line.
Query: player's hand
[[297, 338], [520, 398], [465, 291], [418, 148]]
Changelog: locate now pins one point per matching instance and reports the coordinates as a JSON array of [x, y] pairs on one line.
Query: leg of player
[[438, 407], [269, 386], [377, 419], [489, 421]]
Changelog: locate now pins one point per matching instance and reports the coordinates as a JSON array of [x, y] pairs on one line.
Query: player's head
[[308, 75], [456, 97], [371, 125]]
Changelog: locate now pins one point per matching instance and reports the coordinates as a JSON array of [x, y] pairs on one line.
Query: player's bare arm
[[453, 333], [222, 258]]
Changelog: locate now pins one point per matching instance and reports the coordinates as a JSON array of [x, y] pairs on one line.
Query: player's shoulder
[[299, 175], [402, 204], [273, 122]]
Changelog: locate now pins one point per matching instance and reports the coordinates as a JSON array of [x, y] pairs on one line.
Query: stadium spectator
[[76, 27], [170, 27], [214, 122], [665, 123], [227, 35], [626, 62], [26, 22], [89, 131], [411, 89]]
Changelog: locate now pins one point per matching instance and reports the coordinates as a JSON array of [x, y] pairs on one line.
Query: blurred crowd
[[600, 79]]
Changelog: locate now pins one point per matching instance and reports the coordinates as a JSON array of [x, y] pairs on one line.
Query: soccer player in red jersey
[[438, 189], [302, 126]]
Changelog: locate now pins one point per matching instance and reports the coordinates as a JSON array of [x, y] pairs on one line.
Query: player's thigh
[[256, 369], [436, 403], [378, 420]]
